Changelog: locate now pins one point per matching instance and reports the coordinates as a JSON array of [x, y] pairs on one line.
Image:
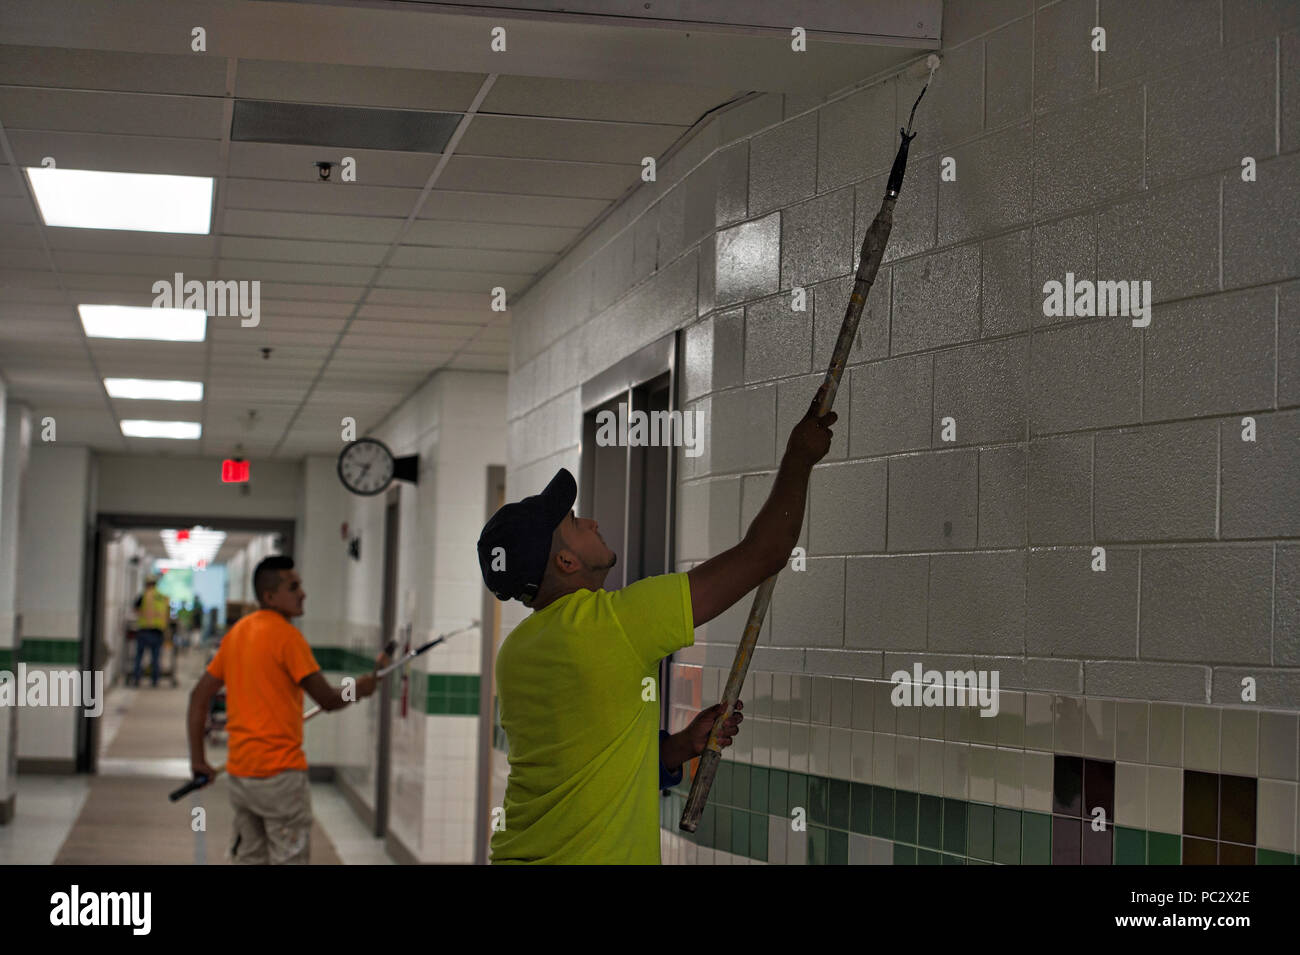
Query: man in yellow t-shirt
[[265, 664], [585, 753]]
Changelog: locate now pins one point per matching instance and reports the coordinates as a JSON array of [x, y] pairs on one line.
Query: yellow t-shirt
[[584, 741]]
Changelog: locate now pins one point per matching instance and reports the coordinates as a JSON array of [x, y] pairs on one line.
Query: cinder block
[[612, 274], [1143, 39], [778, 342], [808, 607], [855, 136], [1008, 73], [709, 520], [702, 185], [977, 603], [1207, 605], [794, 395], [1058, 676], [1090, 152], [728, 348], [645, 244], [754, 492], [1260, 494], [1209, 356], [963, 19], [1075, 611], [932, 502], [741, 428], [1064, 62], [672, 224], [1008, 299], [891, 403], [1060, 490], [1156, 483], [885, 602], [1286, 606], [743, 121], [1002, 490], [1291, 89], [1060, 248], [1208, 116], [707, 294], [1288, 345], [730, 166], [936, 300], [847, 508], [1084, 376], [1252, 211], [816, 239], [914, 214], [1185, 261], [1178, 682], [783, 165], [829, 302], [1273, 688], [982, 387], [953, 106], [1248, 19], [991, 192], [748, 260]]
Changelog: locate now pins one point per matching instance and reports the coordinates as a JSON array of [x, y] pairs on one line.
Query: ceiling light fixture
[[136, 202]]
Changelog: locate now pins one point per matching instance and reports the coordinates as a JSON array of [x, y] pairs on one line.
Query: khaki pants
[[272, 819]]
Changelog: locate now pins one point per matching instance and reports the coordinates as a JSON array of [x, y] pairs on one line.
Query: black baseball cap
[[523, 531]]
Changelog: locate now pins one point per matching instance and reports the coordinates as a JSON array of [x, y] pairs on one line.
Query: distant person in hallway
[[265, 664], [585, 765], [153, 617]]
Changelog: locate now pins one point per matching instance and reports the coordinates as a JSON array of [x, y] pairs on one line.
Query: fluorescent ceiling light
[[139, 202], [180, 430], [138, 321], [154, 388], [201, 545]]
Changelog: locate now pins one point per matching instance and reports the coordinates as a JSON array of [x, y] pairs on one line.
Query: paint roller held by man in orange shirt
[[265, 664]]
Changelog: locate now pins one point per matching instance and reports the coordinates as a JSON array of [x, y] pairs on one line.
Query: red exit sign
[[234, 471]]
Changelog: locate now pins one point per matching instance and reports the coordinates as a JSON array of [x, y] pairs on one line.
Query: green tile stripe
[[451, 694], [41, 650], [343, 659], [6, 658], [924, 829]]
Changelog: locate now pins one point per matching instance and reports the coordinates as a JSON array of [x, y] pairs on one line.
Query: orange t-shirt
[[261, 661]]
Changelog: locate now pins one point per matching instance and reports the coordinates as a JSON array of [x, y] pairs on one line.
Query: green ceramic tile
[[1130, 846], [953, 860], [437, 682], [837, 847], [817, 845], [817, 799], [740, 785], [929, 820], [798, 793], [904, 855], [979, 831], [721, 789], [927, 857], [740, 832], [1035, 838], [954, 826], [1164, 848], [882, 812], [758, 836], [722, 829], [860, 808], [838, 804], [778, 792], [1006, 836], [706, 831], [1272, 857], [905, 816]]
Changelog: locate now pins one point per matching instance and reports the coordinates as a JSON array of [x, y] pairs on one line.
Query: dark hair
[[267, 575]]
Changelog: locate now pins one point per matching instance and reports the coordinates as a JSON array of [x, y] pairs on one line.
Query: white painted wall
[[138, 484]]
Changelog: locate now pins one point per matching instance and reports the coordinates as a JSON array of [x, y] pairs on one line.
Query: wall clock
[[367, 467]]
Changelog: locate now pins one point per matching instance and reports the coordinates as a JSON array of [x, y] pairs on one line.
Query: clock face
[[366, 466]]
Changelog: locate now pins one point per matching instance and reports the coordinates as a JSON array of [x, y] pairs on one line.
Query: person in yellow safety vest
[[153, 617]]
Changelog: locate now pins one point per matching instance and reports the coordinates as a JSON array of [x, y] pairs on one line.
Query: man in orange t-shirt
[[265, 664]]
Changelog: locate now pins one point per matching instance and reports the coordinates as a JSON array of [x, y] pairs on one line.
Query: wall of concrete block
[[1070, 433]]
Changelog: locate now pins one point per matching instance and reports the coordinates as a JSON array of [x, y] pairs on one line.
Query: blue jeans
[[152, 640]]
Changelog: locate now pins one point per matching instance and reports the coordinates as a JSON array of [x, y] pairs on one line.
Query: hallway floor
[[122, 816]]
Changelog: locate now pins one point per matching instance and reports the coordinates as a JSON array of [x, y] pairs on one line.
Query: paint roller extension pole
[[873, 251]]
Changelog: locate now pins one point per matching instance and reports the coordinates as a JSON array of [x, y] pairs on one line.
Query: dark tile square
[[706, 831], [1035, 838], [1237, 802], [954, 826], [740, 786], [778, 792], [1232, 854], [722, 829], [905, 817], [929, 818], [953, 860], [979, 831], [1200, 804], [758, 789], [1067, 845], [797, 796], [817, 845], [882, 812], [1130, 846], [1164, 848], [837, 847], [1067, 786], [904, 855], [1098, 847], [758, 836], [817, 800], [928, 857], [860, 808], [1199, 851], [1098, 788], [740, 832], [1006, 836], [720, 791], [838, 804]]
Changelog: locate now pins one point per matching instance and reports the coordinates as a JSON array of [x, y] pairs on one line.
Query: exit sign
[[234, 471]]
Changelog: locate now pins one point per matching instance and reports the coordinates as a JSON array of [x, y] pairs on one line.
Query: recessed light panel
[[141, 322], [136, 202]]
